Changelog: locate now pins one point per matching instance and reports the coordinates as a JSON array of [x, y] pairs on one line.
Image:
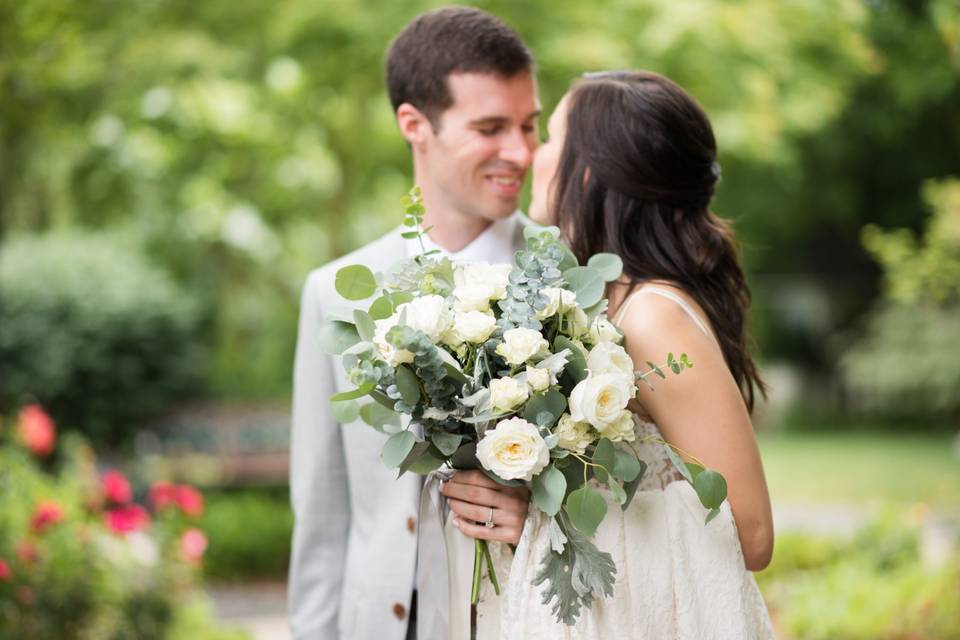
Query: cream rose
[[620, 429], [520, 344], [391, 355], [428, 314], [477, 283], [602, 330], [514, 450], [558, 300], [574, 436], [607, 357], [538, 379], [474, 326], [507, 393], [599, 399]]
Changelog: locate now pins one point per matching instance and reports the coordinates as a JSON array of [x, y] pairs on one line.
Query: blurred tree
[[250, 142]]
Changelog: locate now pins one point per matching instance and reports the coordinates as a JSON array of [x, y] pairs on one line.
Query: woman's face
[[545, 166]]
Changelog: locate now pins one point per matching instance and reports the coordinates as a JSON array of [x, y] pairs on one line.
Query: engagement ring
[[489, 523]]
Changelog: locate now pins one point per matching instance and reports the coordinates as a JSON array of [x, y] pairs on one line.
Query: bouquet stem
[[481, 554]]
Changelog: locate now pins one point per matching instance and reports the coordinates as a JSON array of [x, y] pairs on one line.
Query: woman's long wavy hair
[[635, 177]]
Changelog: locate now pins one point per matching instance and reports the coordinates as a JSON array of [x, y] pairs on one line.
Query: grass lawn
[[862, 467]]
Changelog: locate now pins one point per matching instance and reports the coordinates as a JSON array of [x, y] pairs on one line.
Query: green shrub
[[94, 332], [249, 533]]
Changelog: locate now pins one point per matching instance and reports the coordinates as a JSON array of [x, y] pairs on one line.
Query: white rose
[[607, 357], [558, 299], [538, 379], [507, 393], [428, 314], [514, 450], [574, 436], [477, 283], [473, 297], [620, 429], [474, 326], [602, 330], [600, 399], [520, 344], [393, 356]]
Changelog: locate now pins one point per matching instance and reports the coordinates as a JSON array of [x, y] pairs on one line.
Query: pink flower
[[37, 430], [46, 514], [5, 573], [116, 487], [190, 501], [126, 519], [193, 543], [162, 495], [27, 552]]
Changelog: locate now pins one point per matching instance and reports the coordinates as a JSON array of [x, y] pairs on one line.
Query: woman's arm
[[702, 412]]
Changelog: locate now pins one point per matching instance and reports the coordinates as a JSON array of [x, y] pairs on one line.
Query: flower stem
[[477, 560], [490, 570]]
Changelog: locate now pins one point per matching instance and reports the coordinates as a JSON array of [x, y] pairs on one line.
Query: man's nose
[[518, 148]]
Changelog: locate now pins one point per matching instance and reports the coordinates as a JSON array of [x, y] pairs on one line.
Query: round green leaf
[[586, 509], [626, 466], [408, 385], [604, 455], [385, 306], [711, 488], [353, 394], [549, 486], [551, 402], [576, 366], [609, 265], [587, 283], [617, 492], [364, 323], [397, 447], [337, 336], [346, 411], [376, 415], [446, 443], [355, 282]]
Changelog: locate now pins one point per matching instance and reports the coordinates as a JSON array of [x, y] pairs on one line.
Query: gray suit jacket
[[354, 539]]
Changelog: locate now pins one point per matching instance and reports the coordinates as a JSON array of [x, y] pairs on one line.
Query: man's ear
[[414, 125]]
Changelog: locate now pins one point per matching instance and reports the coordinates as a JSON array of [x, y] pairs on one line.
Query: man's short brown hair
[[450, 40]]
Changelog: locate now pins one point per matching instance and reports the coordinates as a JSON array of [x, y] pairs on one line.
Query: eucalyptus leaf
[[424, 464], [336, 336], [397, 448], [605, 456], [377, 415], [386, 305], [549, 487], [408, 385], [576, 366], [626, 466], [617, 492], [345, 411], [551, 402], [678, 463], [711, 515], [711, 488], [446, 443], [364, 324], [359, 392], [586, 509], [587, 283], [418, 450], [383, 399], [355, 282], [609, 265], [630, 488]]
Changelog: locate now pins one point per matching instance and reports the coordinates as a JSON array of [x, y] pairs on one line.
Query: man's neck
[[452, 229]]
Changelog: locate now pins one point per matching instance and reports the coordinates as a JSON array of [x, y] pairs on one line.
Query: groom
[[463, 90]]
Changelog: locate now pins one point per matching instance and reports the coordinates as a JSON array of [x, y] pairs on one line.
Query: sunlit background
[[170, 171]]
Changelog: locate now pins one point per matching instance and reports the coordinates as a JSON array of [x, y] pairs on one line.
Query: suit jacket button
[[400, 611], [412, 524]]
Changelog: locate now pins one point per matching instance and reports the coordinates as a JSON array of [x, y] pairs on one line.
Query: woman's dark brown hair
[[636, 175]]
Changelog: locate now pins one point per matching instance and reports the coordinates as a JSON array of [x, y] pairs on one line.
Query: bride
[[630, 168]]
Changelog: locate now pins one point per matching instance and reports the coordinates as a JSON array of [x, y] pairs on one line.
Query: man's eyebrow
[[499, 120]]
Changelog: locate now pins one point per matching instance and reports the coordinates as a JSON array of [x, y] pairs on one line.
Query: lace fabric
[[677, 579]]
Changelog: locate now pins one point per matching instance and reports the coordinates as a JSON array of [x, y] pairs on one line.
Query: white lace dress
[[677, 579]]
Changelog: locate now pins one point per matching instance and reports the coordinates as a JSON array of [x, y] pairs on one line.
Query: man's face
[[478, 157]]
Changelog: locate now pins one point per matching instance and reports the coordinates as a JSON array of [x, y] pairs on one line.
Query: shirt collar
[[494, 245]]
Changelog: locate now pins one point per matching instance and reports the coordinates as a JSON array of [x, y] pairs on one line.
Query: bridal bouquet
[[514, 367]]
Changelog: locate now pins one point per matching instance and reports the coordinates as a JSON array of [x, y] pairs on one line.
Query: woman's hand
[[471, 495]]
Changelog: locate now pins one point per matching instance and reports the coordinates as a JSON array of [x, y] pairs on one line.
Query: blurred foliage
[[248, 143], [70, 572], [902, 363], [250, 533], [93, 331], [871, 587]]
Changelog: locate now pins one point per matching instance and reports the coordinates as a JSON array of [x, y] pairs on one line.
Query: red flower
[[47, 514], [162, 495], [189, 500], [27, 552], [116, 488], [37, 430], [131, 517], [193, 543], [5, 573]]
